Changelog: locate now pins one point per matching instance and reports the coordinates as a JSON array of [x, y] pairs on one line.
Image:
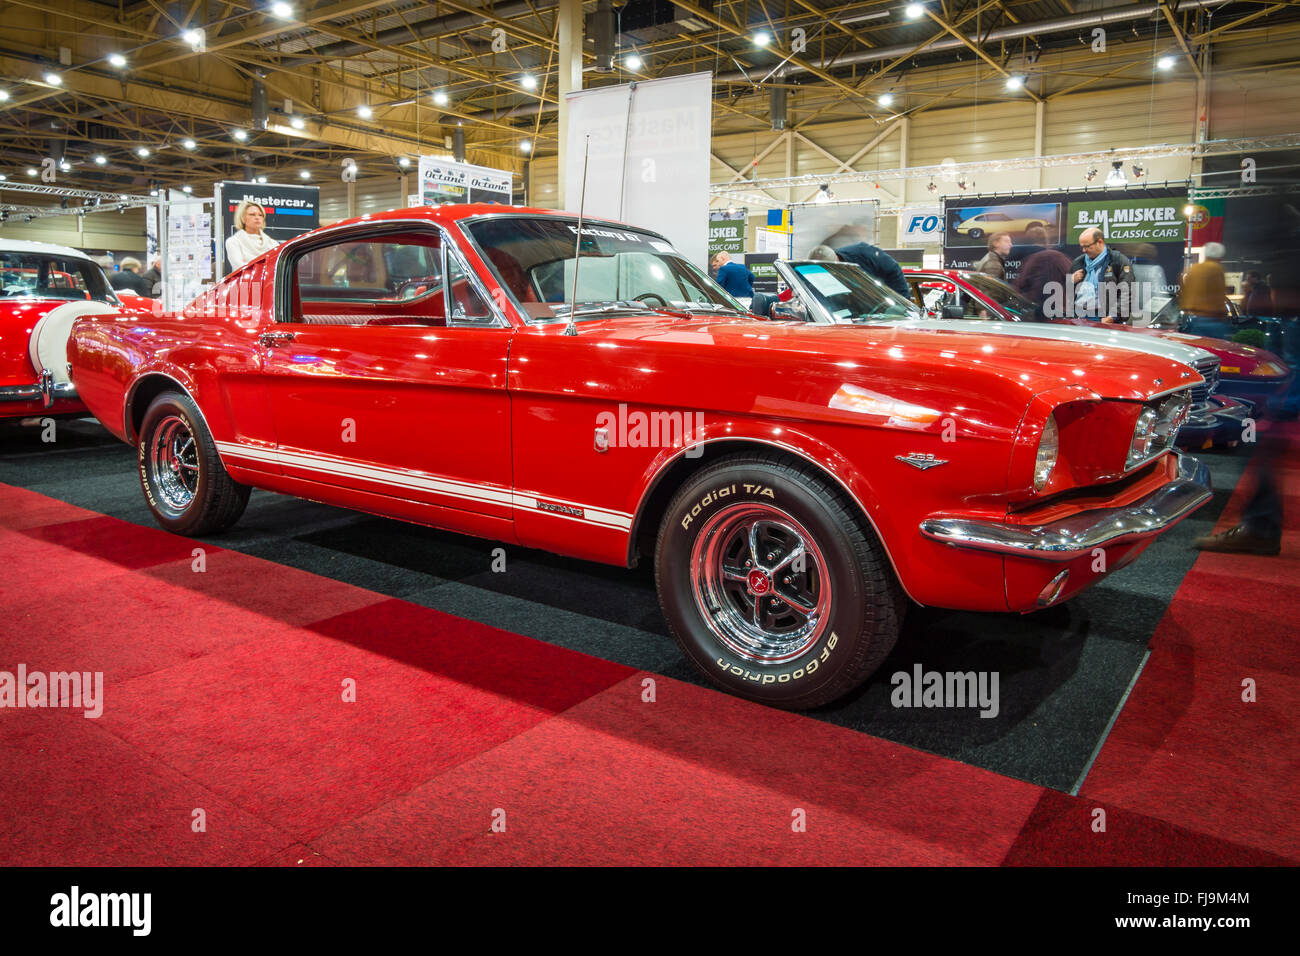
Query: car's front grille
[[1209, 369]]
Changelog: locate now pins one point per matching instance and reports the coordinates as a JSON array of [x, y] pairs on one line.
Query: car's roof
[[44, 248], [451, 212]]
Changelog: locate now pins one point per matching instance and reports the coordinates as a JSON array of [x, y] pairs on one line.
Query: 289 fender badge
[[601, 442], [917, 460]]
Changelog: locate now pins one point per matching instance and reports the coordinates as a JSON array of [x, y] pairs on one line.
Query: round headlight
[[1144, 437], [1048, 448]]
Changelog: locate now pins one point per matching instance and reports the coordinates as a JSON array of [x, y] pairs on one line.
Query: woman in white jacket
[[250, 241]]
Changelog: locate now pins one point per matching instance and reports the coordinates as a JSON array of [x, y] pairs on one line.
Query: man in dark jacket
[[732, 276], [1103, 280], [994, 262], [153, 276], [129, 279], [876, 262], [1042, 272]]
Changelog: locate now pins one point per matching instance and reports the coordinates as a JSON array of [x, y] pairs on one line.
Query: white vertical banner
[[649, 157], [187, 269]]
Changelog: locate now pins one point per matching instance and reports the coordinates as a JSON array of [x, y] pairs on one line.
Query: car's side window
[[375, 280], [465, 305]]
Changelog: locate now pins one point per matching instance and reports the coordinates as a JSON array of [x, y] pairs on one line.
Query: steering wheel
[[663, 303], [409, 288]]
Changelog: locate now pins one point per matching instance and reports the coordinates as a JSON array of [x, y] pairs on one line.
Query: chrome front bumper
[[1078, 534], [45, 388]]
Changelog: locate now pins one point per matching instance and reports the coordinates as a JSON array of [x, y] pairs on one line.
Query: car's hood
[[1184, 352], [921, 351]]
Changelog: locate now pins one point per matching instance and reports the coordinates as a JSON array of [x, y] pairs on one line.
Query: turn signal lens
[[1269, 369], [1048, 449]]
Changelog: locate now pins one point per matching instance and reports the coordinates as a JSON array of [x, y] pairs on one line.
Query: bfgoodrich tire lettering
[[771, 584], [185, 485]]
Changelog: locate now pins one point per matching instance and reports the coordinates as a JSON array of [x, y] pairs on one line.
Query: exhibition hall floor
[[486, 697]]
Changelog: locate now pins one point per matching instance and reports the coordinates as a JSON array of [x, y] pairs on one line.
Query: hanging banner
[[726, 232], [187, 270], [290, 211], [833, 224], [445, 180], [1148, 225], [647, 150], [921, 226]]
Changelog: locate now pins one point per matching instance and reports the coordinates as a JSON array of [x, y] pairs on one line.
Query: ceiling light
[[440, 98], [1116, 175], [1090, 175], [404, 161], [914, 11], [31, 171], [525, 146], [1139, 170], [1165, 63], [305, 174], [1189, 210], [364, 111], [153, 189], [1015, 81], [53, 79], [297, 122], [932, 187], [240, 135], [528, 81], [4, 95], [101, 160], [282, 10], [142, 152], [762, 38], [964, 184], [824, 193], [117, 60], [261, 180], [187, 189], [195, 38], [65, 165], [189, 143], [885, 99], [632, 61]]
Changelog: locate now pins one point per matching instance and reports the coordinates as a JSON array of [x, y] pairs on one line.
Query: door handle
[[272, 339]]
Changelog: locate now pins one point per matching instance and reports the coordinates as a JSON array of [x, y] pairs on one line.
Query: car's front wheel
[[185, 485], [772, 585]]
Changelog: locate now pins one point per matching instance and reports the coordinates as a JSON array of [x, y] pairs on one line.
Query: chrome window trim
[[289, 252]]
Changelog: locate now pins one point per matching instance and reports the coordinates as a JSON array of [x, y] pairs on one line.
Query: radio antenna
[[572, 328]]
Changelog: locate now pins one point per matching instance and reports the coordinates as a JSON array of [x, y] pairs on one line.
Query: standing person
[[153, 275], [250, 240], [1203, 297], [1042, 277], [994, 262], [1256, 295], [876, 262], [129, 279], [1103, 279], [733, 276]]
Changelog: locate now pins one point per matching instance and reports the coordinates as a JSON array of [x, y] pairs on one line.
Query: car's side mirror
[[953, 312], [788, 311]]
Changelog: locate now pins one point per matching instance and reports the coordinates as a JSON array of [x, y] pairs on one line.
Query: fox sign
[[920, 226]]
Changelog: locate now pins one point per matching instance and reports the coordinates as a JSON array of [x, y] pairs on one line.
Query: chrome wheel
[[174, 463], [759, 580]]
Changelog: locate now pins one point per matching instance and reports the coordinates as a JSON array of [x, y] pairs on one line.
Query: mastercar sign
[[1130, 220]]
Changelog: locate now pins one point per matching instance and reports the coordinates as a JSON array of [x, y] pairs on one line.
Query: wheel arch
[[676, 470], [141, 394]]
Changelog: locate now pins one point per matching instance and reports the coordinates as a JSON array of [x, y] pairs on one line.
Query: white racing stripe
[[419, 481]]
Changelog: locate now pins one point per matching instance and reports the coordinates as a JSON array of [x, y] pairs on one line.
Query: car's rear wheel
[[772, 585], [976, 233], [185, 485]]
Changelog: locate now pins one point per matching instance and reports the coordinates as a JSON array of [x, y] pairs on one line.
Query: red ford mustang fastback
[[505, 373]]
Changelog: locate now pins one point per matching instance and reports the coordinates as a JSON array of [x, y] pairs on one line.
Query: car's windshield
[[1000, 293], [849, 294], [619, 271], [52, 277]]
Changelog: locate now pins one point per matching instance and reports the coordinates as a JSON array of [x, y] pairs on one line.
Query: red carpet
[[225, 694], [1187, 749]]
